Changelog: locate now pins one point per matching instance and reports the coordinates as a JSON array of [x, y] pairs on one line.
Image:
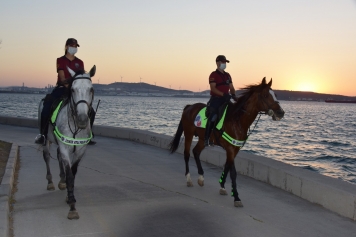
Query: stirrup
[[40, 139], [208, 143]]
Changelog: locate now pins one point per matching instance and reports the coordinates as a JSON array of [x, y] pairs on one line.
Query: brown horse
[[239, 116]]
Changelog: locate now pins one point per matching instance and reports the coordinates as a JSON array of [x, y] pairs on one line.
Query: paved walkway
[[125, 188]]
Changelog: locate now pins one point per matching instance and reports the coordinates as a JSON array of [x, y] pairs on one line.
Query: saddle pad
[[201, 120]]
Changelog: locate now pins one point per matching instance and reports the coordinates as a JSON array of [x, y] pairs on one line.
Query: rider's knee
[[213, 117], [210, 111]]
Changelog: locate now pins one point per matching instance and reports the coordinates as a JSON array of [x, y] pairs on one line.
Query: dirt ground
[[5, 148]]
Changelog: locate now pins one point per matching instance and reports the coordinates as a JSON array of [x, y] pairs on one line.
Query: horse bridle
[[81, 101], [268, 111]]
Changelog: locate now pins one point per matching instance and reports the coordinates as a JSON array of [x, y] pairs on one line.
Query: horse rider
[[220, 86], [61, 89]]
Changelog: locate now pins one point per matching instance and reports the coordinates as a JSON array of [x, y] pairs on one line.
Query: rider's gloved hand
[[227, 96]]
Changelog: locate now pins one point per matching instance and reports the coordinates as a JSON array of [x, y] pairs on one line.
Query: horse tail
[[173, 146]]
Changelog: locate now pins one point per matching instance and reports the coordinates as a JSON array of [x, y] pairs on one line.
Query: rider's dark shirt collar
[[217, 70], [64, 56]]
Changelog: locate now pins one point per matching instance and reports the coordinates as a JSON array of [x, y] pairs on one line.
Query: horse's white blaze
[[82, 92], [273, 95]]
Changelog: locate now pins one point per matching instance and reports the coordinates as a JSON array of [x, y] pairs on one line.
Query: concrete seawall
[[333, 194]]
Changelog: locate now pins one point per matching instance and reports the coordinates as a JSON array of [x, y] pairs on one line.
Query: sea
[[316, 136]]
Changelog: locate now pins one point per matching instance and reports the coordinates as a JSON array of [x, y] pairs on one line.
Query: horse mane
[[237, 108]]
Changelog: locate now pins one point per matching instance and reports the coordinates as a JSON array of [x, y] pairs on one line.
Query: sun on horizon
[[306, 86]]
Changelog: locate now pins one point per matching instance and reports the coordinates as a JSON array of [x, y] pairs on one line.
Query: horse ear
[[72, 73], [264, 81], [270, 83], [92, 71]]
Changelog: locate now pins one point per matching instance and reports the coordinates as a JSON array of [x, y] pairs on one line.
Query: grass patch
[[5, 149]]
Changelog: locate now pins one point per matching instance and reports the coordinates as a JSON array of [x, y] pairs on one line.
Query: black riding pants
[[213, 106], [56, 93]]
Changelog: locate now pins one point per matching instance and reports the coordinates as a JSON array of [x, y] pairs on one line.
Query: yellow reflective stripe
[[72, 141], [55, 112]]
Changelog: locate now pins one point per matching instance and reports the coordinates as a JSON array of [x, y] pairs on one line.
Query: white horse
[[70, 130]]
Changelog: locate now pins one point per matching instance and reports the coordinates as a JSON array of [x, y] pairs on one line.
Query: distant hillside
[[144, 89], [139, 87], [121, 87], [302, 95]]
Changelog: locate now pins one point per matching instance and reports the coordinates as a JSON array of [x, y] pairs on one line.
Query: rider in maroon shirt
[[74, 63], [220, 86], [63, 62]]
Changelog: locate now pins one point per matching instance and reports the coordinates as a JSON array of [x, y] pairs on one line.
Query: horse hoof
[[189, 184], [223, 191], [62, 186], [73, 215], [201, 180], [238, 204], [50, 187]]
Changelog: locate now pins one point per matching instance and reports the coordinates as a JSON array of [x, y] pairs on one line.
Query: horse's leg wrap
[[233, 175], [70, 185], [222, 179]]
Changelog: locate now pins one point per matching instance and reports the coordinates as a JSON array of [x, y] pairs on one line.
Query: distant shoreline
[[281, 95]]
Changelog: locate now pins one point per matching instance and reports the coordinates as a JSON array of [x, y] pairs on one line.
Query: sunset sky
[[305, 45]]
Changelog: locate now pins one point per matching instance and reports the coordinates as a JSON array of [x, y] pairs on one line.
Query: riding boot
[[41, 138], [208, 129], [92, 118]]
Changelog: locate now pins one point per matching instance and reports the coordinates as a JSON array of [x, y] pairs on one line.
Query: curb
[[6, 189]]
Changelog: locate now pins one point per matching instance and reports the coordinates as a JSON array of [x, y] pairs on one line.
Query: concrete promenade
[[126, 188]]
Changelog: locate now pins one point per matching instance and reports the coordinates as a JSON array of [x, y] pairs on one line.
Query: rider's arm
[[215, 90], [62, 79], [232, 89]]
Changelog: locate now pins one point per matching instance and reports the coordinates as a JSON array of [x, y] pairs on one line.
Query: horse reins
[[260, 113]]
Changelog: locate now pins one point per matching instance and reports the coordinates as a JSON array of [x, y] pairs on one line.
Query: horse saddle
[[55, 102], [202, 117], [201, 120]]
